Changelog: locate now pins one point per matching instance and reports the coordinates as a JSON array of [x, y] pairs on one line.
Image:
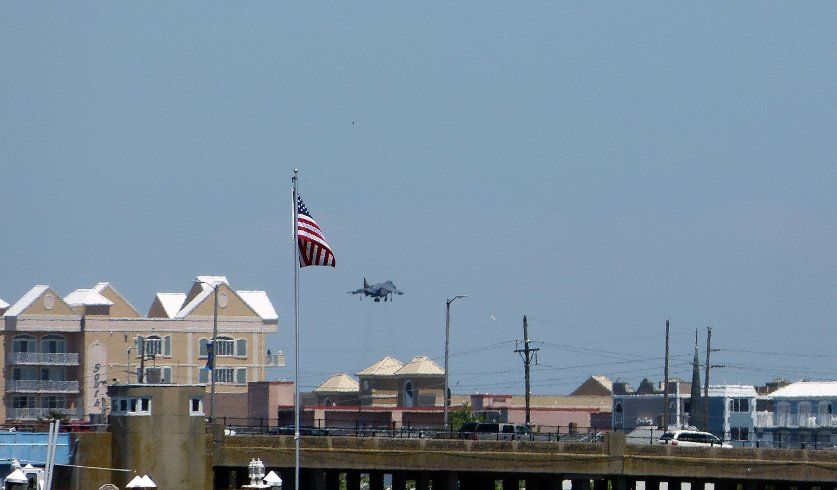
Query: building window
[[224, 347], [196, 406], [53, 344], [409, 394], [739, 434], [203, 375], [739, 405], [131, 405], [241, 348], [153, 346], [24, 343], [223, 375], [23, 402]]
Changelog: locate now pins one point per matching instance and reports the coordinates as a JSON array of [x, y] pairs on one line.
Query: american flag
[[313, 249]]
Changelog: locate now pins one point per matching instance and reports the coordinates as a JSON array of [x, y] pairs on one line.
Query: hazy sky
[[598, 166]]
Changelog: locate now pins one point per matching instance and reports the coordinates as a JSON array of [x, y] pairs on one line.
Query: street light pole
[[211, 350], [214, 353], [447, 345]]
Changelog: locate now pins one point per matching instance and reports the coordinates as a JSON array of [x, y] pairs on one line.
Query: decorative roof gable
[[121, 307], [166, 305], [385, 367], [420, 365], [338, 383], [40, 300]]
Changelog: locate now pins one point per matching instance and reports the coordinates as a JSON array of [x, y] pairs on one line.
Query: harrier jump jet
[[377, 291]]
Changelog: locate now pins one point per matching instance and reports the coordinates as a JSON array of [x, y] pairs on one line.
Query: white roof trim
[[171, 302], [260, 303], [86, 297], [197, 300], [26, 300]]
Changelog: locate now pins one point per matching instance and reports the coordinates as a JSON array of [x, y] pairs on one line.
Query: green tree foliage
[[465, 413]]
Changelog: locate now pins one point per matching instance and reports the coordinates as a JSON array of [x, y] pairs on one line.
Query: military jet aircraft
[[377, 291]]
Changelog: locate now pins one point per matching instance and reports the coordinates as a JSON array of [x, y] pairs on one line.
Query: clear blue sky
[[600, 167]]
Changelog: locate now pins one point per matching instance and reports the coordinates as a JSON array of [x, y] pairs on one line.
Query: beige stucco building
[[60, 354]]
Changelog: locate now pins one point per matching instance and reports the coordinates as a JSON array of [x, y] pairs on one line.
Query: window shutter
[[241, 347], [166, 375], [167, 346], [203, 375], [241, 376], [203, 350]]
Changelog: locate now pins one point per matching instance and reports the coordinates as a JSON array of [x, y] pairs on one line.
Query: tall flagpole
[[296, 332]]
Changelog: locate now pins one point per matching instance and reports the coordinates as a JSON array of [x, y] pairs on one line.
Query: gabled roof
[[3, 304], [420, 365], [123, 306], [26, 300], [260, 303], [338, 383], [171, 302], [86, 297], [595, 385], [385, 367], [196, 301], [807, 389]]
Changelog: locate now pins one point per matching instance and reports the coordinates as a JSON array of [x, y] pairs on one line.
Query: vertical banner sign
[[97, 366]]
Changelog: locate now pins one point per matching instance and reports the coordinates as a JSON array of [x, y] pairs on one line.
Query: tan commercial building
[[60, 354]]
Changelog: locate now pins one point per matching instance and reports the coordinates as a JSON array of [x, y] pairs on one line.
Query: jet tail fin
[[365, 284]]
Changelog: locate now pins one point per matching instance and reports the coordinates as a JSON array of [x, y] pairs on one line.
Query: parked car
[[692, 438]]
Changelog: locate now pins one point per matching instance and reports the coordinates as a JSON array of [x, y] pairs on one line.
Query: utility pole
[[527, 354], [706, 381], [665, 386]]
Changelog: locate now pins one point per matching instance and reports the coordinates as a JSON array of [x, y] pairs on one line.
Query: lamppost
[[210, 348], [447, 344]]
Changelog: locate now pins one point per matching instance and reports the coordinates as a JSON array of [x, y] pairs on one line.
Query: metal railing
[[39, 386], [793, 420], [382, 428], [43, 358], [39, 413]]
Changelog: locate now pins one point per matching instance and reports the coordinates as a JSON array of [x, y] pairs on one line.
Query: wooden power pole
[[527, 354]]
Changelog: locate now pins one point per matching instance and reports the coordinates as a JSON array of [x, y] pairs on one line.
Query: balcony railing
[[38, 386], [43, 359], [794, 420], [39, 413]]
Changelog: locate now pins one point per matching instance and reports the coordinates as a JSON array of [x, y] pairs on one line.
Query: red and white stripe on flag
[[313, 249]]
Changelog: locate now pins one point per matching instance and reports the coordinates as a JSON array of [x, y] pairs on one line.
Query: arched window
[[153, 345], [224, 347], [409, 395], [618, 407], [53, 344]]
